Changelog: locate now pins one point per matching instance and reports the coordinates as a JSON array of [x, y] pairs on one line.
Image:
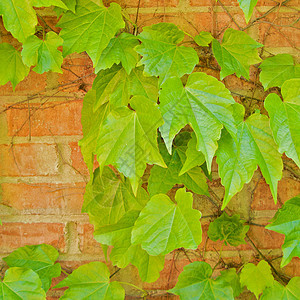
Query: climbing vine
[[155, 123]]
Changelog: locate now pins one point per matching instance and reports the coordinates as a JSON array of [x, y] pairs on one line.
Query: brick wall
[[42, 173]]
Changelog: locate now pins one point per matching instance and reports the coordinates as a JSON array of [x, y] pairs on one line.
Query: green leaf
[[277, 69], [203, 38], [257, 278], [46, 3], [70, 4], [12, 67], [231, 277], [231, 230], [195, 283], [204, 101], [91, 281], [279, 292], [21, 283], [116, 86], [123, 253], [193, 156], [19, 18], [43, 54], [247, 6], [112, 197], [128, 139], [238, 160], [39, 258], [161, 180], [285, 120], [90, 29], [163, 225], [120, 49], [236, 54], [161, 54], [91, 123], [287, 221]]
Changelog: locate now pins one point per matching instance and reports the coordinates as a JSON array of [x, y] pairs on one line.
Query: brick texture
[[43, 175]]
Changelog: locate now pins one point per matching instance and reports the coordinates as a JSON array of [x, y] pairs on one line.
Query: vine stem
[[279, 276], [145, 293]]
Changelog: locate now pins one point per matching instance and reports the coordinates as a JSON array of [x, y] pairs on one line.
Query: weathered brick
[[263, 200], [15, 235], [78, 74], [51, 118], [28, 160], [88, 245], [43, 196]]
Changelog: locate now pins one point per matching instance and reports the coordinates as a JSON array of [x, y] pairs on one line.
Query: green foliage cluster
[[147, 107]]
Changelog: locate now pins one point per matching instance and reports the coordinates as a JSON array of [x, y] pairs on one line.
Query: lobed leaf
[[236, 53], [195, 283], [231, 230], [21, 283], [164, 226]]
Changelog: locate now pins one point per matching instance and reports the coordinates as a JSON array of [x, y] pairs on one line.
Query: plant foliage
[[151, 111]]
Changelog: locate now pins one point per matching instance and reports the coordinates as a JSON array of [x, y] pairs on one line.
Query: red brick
[[32, 84], [53, 118], [88, 245], [78, 74], [28, 160], [21, 196], [263, 200], [277, 36], [264, 238], [293, 268], [15, 235], [148, 3], [77, 159], [212, 2]]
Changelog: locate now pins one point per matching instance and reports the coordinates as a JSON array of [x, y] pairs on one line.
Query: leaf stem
[[145, 293]]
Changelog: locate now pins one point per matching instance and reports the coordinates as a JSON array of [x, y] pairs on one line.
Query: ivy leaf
[[203, 101], [70, 4], [123, 253], [277, 69], [21, 283], [231, 277], [120, 49], [285, 119], [46, 3], [257, 278], [231, 230], [238, 160], [19, 17], [39, 258], [90, 29], [12, 67], [43, 54], [161, 180], [193, 156], [116, 86], [195, 283], [287, 221], [163, 225], [91, 123], [91, 281], [128, 139], [112, 197], [236, 54], [161, 54], [247, 6], [203, 38], [279, 292]]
